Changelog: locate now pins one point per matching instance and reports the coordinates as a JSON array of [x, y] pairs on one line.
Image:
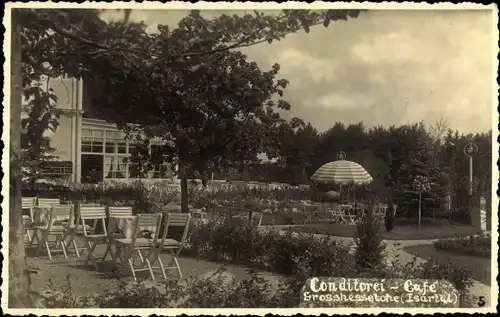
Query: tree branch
[[240, 44]]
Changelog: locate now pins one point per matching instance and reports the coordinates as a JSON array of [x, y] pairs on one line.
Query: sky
[[387, 67]]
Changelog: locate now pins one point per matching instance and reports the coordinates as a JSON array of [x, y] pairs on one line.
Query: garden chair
[[128, 250], [41, 216], [311, 213], [172, 245], [55, 227], [87, 232], [91, 205], [28, 203], [77, 229], [395, 208], [337, 214], [348, 214], [43, 207], [360, 210], [380, 211], [199, 217], [115, 213], [243, 218]]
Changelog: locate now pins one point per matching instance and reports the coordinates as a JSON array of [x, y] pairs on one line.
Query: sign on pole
[[470, 150]]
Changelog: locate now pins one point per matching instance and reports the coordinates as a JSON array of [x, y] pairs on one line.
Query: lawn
[[480, 267], [430, 230]]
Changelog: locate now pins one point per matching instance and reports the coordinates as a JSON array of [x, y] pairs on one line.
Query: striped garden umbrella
[[342, 172]]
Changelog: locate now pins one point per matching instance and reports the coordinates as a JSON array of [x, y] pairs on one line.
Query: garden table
[[125, 226]]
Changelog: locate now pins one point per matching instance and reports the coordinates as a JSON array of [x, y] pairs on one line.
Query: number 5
[[481, 301]]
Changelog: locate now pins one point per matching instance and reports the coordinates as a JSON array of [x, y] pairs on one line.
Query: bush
[[389, 219], [212, 292], [370, 248], [479, 245], [460, 277], [221, 291], [461, 215], [286, 253], [143, 198]]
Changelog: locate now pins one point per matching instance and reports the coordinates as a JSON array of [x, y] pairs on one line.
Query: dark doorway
[[92, 168]]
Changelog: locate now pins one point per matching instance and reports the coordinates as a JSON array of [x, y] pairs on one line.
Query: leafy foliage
[[370, 248], [287, 253], [191, 88], [144, 198], [479, 245]]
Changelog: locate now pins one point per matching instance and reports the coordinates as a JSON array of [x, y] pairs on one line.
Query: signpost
[[470, 150]]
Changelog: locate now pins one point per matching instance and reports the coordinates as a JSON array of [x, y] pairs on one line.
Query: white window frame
[[102, 135]]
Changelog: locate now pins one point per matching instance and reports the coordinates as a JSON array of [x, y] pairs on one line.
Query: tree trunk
[[184, 194], [184, 186], [19, 280]]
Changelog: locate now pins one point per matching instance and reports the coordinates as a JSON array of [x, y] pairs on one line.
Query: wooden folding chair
[[380, 211], [42, 205], [348, 214], [360, 210], [310, 212], [128, 250], [199, 217], [76, 229], [41, 215], [92, 239], [243, 218], [174, 245], [115, 213], [28, 203], [336, 214], [55, 226], [47, 202]]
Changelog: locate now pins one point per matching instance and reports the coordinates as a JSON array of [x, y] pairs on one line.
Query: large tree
[[211, 110], [296, 148], [18, 268], [77, 43]]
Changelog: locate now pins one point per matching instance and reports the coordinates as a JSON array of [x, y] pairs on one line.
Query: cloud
[[339, 102], [387, 67], [298, 61]]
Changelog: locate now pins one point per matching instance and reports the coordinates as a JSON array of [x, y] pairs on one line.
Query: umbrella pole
[[341, 195]]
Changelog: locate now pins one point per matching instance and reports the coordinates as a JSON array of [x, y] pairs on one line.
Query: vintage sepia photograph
[[325, 158]]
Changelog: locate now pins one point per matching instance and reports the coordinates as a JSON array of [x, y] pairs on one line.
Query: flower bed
[[477, 245]]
